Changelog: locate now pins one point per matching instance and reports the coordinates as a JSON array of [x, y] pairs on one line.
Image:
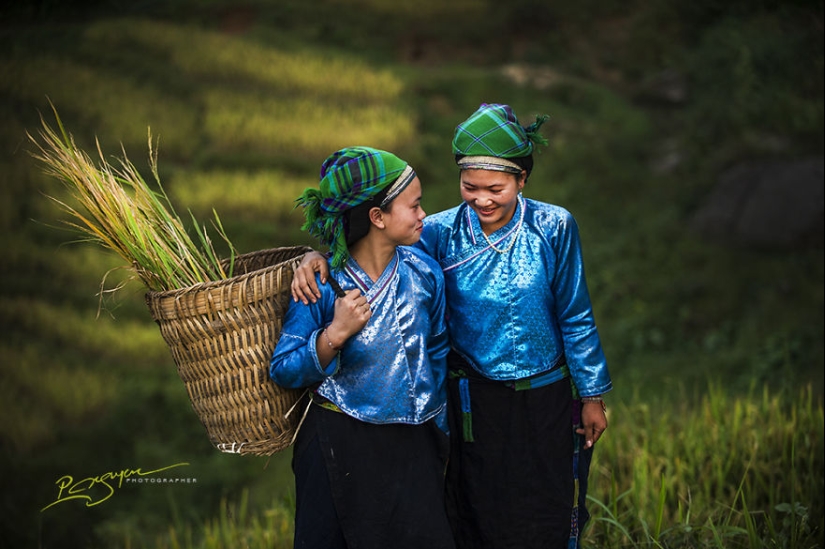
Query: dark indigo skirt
[[512, 475], [367, 486]]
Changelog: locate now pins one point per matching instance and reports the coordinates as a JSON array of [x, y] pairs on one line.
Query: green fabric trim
[[467, 427]]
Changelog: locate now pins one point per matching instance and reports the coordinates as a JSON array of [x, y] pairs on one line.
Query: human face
[[493, 195], [403, 220]]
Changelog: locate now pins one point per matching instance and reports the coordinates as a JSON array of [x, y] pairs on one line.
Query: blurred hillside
[[651, 104]]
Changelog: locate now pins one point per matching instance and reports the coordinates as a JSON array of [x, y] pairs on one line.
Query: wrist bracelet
[[329, 341], [595, 399]]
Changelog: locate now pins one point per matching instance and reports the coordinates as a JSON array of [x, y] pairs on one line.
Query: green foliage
[[751, 87], [115, 105], [255, 194], [715, 470], [293, 127], [711, 442], [705, 472], [236, 526]]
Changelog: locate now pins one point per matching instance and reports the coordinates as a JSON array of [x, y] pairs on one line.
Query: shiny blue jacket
[[394, 370], [523, 313]]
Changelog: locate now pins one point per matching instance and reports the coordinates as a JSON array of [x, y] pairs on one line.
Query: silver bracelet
[[598, 399], [329, 341]]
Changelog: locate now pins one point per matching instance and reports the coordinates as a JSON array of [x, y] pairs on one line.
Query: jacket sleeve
[[439, 344], [294, 363], [582, 346]]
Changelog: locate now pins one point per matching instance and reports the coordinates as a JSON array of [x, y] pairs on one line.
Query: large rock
[[766, 204]]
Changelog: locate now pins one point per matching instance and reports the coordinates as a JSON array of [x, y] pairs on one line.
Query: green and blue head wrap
[[350, 177], [491, 138]]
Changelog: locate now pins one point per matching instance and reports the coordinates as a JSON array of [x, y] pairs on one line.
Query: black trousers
[[365, 486], [510, 479]]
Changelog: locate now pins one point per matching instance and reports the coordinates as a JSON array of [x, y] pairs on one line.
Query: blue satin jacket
[[394, 370], [522, 313]]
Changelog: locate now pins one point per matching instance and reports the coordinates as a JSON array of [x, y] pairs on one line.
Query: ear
[[377, 217], [522, 179]]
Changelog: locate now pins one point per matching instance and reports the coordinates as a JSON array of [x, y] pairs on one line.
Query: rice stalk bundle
[[220, 326], [119, 210]]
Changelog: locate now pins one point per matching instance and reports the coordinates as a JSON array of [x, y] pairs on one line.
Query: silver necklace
[[515, 234]]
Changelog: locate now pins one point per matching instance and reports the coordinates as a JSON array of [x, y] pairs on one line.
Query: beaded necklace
[[515, 234]]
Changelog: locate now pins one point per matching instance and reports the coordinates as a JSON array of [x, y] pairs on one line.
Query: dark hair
[[524, 162], [357, 219]]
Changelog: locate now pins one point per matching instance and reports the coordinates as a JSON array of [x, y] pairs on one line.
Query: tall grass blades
[[119, 210], [234, 526], [722, 472]]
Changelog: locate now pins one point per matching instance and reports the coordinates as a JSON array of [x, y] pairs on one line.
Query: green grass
[[712, 471], [711, 463], [715, 439], [235, 526]]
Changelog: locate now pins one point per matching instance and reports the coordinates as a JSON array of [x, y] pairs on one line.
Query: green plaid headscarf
[[349, 177], [493, 133]]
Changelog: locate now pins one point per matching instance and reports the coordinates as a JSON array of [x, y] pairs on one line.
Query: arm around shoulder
[[304, 287]]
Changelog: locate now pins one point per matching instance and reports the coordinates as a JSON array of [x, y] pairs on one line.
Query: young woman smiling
[[527, 370], [369, 457], [492, 195]]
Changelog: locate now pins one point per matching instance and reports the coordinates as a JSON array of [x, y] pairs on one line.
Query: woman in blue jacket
[[369, 457], [527, 370]]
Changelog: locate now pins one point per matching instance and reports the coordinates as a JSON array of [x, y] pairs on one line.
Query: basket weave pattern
[[222, 335]]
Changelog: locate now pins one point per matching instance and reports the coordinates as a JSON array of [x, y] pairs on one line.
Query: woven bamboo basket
[[222, 335]]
